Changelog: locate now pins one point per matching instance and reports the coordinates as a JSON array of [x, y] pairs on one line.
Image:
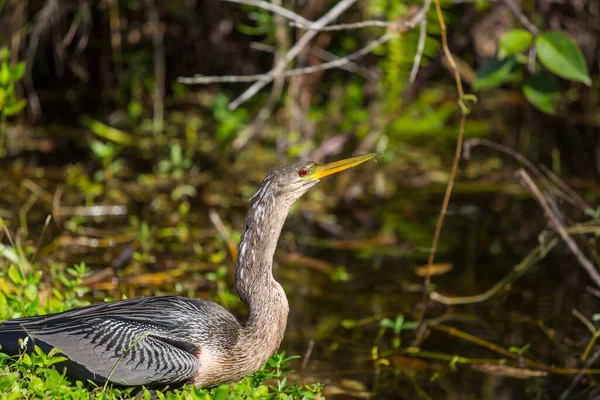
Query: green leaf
[[495, 73], [513, 42], [17, 72], [398, 323], [562, 56], [543, 92], [349, 323], [386, 323], [221, 393], [14, 106], [4, 74], [14, 274]]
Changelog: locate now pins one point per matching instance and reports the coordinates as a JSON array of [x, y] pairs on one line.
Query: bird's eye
[[303, 171]]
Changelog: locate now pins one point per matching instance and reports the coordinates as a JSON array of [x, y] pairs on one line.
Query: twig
[[421, 45], [576, 378], [261, 80], [584, 320], [576, 199], [521, 17], [338, 63], [470, 143], [216, 220], [306, 357], [560, 229], [590, 344], [324, 55], [158, 93], [543, 174], [355, 25], [281, 36], [457, 154], [518, 270], [593, 291], [332, 14], [276, 9]]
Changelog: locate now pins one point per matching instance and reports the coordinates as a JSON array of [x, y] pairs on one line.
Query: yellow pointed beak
[[322, 170]]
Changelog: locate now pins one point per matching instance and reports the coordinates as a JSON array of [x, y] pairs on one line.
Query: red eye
[[303, 172]]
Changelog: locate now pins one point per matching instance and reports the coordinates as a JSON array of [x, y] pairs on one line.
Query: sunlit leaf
[[17, 72], [14, 106], [562, 56], [4, 74], [543, 92], [513, 42]]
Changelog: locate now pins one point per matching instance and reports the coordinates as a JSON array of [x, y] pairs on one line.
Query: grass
[[27, 290]]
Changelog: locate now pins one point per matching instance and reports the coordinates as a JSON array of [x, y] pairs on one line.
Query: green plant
[[178, 162], [397, 326], [9, 103], [32, 374], [555, 51]]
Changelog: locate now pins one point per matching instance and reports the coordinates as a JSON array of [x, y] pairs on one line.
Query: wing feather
[[155, 340]]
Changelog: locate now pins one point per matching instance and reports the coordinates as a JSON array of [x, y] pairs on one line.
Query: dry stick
[[457, 153], [281, 36], [332, 14], [355, 25], [560, 188], [338, 63], [560, 229], [421, 45], [579, 375], [158, 93], [307, 355], [575, 199], [518, 270], [323, 55], [521, 17], [216, 220], [584, 320], [590, 345], [276, 9]]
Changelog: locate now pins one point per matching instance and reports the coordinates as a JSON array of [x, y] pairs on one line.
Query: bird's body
[[172, 340]]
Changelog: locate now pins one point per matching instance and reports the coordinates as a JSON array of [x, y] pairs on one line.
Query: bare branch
[[521, 17], [559, 228], [324, 55], [337, 63], [421, 45], [355, 25], [332, 14], [276, 9]]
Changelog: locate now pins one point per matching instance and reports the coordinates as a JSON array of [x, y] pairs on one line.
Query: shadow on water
[[352, 268]]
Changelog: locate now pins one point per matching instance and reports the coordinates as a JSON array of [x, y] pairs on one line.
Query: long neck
[[254, 274]]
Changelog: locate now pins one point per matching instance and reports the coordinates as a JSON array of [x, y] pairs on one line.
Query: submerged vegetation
[[123, 178]]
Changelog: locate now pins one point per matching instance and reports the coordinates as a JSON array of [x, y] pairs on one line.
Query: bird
[[173, 340]]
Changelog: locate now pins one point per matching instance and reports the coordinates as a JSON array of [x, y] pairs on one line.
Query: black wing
[[154, 340]]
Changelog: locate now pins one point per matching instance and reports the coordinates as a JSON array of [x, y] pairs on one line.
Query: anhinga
[[172, 340]]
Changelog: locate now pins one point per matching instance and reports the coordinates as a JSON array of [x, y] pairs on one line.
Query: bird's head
[[291, 182]]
